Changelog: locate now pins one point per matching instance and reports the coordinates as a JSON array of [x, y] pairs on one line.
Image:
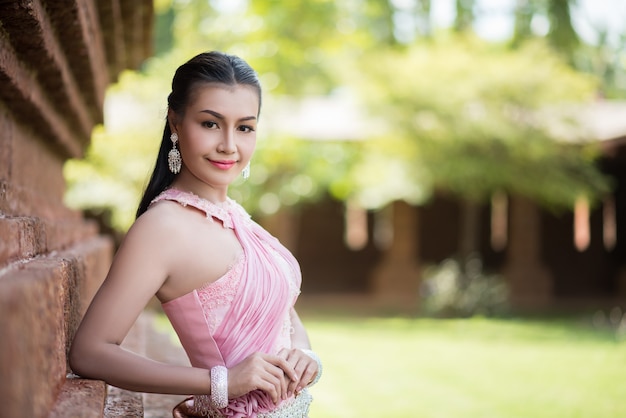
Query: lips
[[223, 165]]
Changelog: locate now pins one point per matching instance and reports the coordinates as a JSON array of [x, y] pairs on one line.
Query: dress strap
[[223, 212]]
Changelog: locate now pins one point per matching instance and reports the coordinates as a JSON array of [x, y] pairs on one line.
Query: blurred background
[[396, 135], [451, 175]]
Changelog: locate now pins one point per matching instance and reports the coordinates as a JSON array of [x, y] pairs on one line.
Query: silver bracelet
[[219, 387], [315, 357]]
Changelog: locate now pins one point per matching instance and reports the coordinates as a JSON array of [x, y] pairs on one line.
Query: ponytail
[[161, 177]]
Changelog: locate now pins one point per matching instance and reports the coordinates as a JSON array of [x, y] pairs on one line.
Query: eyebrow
[[220, 116]]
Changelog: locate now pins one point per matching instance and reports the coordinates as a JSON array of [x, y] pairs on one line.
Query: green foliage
[[456, 113], [289, 172], [604, 58], [121, 155], [473, 115]]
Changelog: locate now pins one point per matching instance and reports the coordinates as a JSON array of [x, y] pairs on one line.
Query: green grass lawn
[[487, 368]]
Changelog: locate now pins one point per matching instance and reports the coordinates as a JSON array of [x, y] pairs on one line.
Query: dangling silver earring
[[173, 158], [246, 171]]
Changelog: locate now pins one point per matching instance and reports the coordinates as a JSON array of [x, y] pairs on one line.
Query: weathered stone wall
[[56, 59]]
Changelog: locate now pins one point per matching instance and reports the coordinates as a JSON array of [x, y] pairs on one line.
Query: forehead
[[234, 100]]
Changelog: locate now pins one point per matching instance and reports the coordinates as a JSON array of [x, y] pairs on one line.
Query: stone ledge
[[80, 398], [26, 237], [40, 306], [87, 398], [123, 404]]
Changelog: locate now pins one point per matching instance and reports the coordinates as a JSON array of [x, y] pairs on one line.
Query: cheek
[[194, 140], [248, 146]]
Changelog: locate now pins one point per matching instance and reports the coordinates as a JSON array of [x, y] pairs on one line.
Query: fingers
[[280, 376], [286, 364], [308, 373], [304, 367], [290, 376], [270, 374], [275, 383]]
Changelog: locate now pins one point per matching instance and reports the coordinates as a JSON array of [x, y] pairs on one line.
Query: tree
[[456, 109], [470, 119], [464, 18], [605, 58]]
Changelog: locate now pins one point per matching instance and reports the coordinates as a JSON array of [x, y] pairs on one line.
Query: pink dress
[[243, 312]]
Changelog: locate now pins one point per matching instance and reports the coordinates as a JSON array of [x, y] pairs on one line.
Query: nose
[[227, 143]]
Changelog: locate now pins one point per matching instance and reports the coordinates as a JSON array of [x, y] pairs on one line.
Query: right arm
[[140, 267]]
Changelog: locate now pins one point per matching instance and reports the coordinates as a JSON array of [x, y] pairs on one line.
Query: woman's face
[[217, 134]]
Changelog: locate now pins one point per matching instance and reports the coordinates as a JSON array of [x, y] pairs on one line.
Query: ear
[[172, 120]]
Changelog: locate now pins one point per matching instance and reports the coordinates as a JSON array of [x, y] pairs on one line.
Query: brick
[[137, 30], [29, 27], [53, 73], [62, 234], [84, 48], [32, 352], [21, 238], [6, 143], [92, 262], [30, 103], [41, 304], [37, 169], [20, 201], [110, 15]]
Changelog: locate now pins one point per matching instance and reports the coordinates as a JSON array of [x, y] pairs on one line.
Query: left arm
[[305, 366], [299, 338]]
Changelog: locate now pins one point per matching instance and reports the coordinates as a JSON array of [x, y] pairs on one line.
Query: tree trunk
[[464, 15]]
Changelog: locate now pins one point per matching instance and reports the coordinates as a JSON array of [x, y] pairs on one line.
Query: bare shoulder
[[160, 217], [170, 221], [191, 248]]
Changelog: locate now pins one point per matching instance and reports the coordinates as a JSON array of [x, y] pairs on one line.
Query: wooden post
[[396, 279], [529, 280]]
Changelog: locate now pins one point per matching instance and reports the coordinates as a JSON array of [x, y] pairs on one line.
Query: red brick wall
[[56, 59]]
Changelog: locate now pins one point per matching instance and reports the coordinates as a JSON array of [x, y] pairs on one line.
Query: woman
[[227, 286]]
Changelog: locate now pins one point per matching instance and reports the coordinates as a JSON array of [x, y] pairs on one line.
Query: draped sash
[[255, 318]]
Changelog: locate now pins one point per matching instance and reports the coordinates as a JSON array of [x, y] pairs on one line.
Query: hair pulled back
[[207, 67]]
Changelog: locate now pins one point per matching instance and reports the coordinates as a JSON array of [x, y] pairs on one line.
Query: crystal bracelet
[[219, 387], [315, 357]]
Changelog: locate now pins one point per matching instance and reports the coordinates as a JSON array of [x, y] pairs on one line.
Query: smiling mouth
[[223, 165]]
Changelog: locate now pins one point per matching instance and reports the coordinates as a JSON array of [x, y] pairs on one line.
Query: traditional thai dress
[[247, 310]]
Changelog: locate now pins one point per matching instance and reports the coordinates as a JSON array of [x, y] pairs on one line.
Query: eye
[[209, 124], [246, 128]]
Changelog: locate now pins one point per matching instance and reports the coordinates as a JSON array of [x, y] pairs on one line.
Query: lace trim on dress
[[220, 293], [223, 211]]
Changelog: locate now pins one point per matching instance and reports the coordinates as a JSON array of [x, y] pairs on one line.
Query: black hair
[[208, 67]]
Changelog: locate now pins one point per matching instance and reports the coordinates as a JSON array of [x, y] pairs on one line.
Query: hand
[[271, 374], [305, 367]]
